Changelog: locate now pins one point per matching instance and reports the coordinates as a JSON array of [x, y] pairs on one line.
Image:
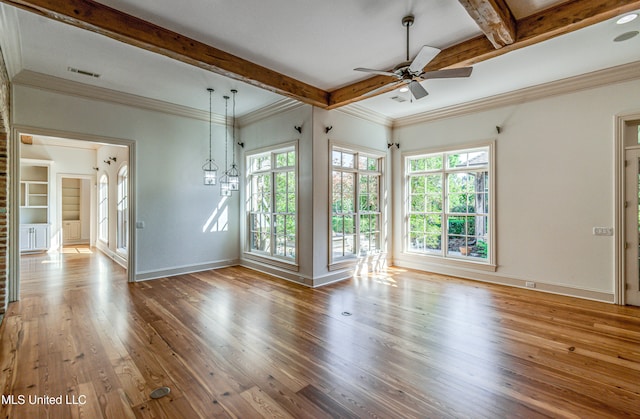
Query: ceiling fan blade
[[380, 72], [417, 90], [447, 74], [423, 58]]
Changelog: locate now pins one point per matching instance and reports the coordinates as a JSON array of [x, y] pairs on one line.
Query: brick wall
[[5, 90]]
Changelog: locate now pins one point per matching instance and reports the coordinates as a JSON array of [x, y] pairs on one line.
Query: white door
[[632, 227], [25, 238]]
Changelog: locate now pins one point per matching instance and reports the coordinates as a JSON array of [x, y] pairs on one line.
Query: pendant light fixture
[[225, 190], [233, 174], [210, 168]]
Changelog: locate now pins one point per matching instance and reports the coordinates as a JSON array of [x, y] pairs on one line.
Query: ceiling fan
[[412, 72]]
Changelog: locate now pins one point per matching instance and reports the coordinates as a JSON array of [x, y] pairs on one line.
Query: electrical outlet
[[530, 284], [603, 231]]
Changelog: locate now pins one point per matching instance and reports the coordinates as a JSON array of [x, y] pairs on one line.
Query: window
[[122, 233], [103, 209], [356, 182], [449, 210], [272, 203]]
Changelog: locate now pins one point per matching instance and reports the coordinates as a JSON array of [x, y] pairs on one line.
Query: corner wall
[[187, 226], [554, 181], [313, 186], [5, 169]]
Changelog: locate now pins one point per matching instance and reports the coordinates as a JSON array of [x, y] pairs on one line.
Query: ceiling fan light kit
[[411, 73]]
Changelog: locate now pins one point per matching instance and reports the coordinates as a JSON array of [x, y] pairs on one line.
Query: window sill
[[273, 261], [355, 261], [456, 262]]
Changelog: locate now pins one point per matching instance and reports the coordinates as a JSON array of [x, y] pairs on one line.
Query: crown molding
[[618, 74], [361, 112], [72, 88], [275, 108], [10, 36]]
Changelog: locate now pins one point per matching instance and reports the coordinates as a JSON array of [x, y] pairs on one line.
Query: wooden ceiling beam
[[555, 21], [494, 19], [98, 18], [542, 26]]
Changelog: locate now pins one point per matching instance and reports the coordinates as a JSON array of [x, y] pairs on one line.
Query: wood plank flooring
[[237, 343]]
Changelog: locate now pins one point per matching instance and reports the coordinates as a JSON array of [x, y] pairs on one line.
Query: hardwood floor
[[237, 343]]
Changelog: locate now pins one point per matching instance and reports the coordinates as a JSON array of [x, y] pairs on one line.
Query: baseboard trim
[[295, 276], [117, 258], [276, 271], [500, 279], [182, 270]]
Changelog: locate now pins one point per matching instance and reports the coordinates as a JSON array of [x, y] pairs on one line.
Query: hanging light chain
[[210, 110], [226, 130], [233, 132]]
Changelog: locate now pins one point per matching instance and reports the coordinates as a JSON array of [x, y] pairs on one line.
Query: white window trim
[[123, 251], [281, 262], [350, 261], [100, 238], [491, 263]]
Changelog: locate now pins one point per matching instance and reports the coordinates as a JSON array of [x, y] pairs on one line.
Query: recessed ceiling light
[[404, 89], [625, 36], [627, 18]]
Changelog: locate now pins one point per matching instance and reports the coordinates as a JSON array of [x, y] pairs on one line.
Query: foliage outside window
[[449, 204], [103, 209], [272, 203], [355, 203], [123, 210]]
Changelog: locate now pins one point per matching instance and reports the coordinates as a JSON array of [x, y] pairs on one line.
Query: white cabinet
[[34, 205], [71, 232], [34, 237]]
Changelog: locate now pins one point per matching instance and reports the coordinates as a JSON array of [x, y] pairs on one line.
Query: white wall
[[555, 167], [170, 197], [67, 161]]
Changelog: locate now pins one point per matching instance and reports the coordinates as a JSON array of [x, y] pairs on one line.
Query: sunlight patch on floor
[[72, 249]]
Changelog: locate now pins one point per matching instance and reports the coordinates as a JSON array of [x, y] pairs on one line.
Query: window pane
[[281, 160], [417, 184], [336, 158], [362, 162], [417, 203], [348, 160], [417, 223], [417, 165], [434, 162], [468, 159]]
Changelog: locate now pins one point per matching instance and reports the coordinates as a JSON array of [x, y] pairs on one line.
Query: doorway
[[67, 208], [75, 209], [629, 285]]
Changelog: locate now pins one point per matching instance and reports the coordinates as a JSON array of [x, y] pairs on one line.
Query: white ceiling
[[315, 42]]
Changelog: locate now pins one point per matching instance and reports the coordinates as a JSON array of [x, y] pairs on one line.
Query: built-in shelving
[[34, 204], [70, 199]]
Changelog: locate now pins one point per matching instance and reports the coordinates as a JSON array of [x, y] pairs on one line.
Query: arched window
[[122, 234], [103, 209]]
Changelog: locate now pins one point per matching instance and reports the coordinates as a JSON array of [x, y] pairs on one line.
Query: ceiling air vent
[[399, 99], [83, 72]]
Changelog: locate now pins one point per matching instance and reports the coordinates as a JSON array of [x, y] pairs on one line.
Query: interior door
[[632, 226]]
